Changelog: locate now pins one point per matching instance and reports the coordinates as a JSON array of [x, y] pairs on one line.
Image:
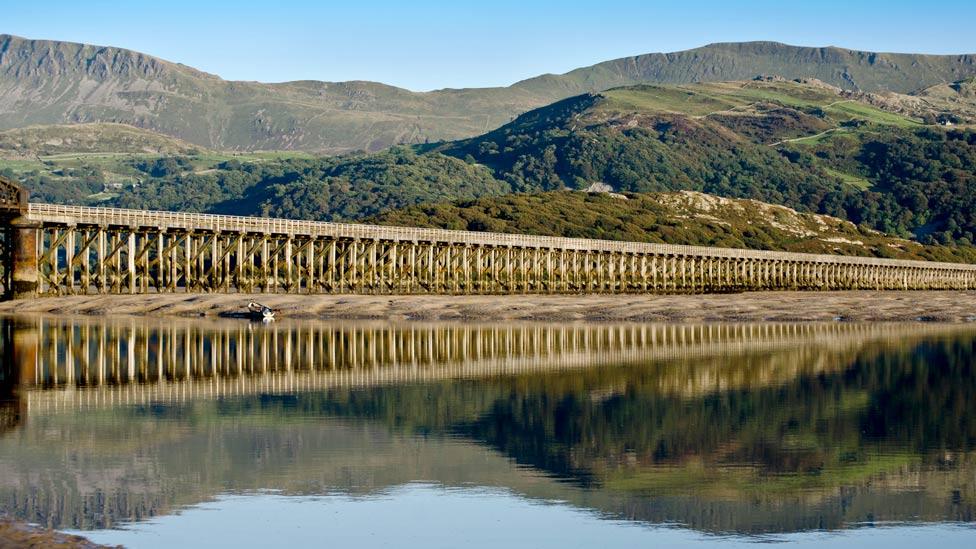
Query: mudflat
[[855, 306]]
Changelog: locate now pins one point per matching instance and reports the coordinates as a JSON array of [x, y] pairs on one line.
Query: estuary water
[[172, 432]]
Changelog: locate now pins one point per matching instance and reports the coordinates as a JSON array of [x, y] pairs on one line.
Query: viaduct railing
[[58, 250]]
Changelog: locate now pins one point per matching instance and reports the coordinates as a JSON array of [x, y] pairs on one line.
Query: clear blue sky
[[423, 45]]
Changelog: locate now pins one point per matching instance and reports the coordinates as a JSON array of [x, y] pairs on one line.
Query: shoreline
[[20, 533], [775, 306]]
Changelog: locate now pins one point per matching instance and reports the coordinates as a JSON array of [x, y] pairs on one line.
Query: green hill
[[880, 161], [674, 218], [805, 145], [46, 82]]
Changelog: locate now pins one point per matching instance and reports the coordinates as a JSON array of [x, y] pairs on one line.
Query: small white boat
[[260, 312]]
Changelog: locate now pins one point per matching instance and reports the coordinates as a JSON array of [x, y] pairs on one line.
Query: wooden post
[[352, 265], [265, 272], [412, 265], [393, 275], [239, 262], [131, 261]]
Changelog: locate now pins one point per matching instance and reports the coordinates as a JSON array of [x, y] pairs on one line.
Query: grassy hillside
[[674, 218], [48, 83], [95, 138], [807, 145]]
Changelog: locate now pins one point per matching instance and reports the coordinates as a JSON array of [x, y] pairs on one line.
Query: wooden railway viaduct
[[57, 250]]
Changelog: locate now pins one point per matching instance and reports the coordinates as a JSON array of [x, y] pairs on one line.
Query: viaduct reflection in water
[[76, 363], [725, 428]]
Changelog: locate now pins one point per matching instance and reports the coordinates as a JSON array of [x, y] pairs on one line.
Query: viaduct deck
[[57, 250]]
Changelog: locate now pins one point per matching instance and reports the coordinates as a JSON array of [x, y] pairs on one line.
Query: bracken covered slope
[[675, 218]]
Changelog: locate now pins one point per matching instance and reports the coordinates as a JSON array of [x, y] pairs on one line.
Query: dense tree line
[[327, 188], [72, 186], [923, 181]]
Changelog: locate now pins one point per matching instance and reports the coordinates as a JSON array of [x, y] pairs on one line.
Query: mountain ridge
[[45, 82]]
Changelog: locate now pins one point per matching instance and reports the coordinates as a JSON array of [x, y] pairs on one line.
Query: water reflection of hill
[[799, 429]]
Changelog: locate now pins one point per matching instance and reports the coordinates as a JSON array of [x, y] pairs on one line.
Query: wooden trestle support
[[103, 250]]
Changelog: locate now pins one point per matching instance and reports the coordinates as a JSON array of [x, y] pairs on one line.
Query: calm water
[[202, 433]]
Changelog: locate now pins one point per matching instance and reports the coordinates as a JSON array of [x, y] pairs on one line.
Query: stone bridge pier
[[18, 243]]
